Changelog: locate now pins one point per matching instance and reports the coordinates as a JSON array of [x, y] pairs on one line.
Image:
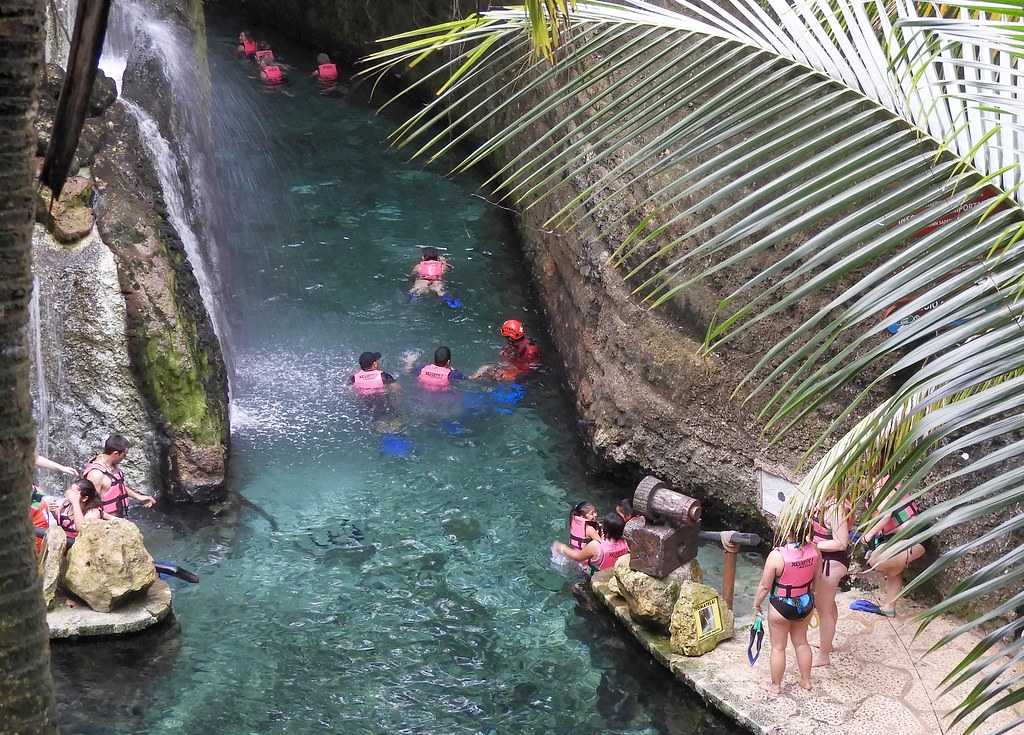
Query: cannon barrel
[[658, 502]]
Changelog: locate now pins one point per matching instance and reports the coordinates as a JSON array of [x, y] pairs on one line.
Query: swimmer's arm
[[49, 464], [767, 579], [147, 500], [590, 551], [592, 533], [876, 529]]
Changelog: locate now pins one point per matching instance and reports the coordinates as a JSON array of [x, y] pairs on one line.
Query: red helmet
[[512, 329]]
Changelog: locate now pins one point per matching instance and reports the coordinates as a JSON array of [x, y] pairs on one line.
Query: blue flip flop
[[869, 607]]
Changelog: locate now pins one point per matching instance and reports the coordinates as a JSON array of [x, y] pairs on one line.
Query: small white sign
[[774, 491]]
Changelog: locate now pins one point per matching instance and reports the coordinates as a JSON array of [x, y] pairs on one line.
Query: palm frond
[[869, 151]]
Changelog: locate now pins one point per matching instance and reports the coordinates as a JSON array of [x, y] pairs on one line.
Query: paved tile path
[[880, 681]]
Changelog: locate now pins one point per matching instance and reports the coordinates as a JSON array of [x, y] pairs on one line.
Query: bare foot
[[771, 688], [806, 684], [820, 659]]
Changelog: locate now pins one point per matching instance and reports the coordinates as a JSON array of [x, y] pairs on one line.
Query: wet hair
[[429, 254], [323, 59], [115, 443], [581, 509], [625, 508], [87, 492], [612, 526], [262, 46], [442, 356]]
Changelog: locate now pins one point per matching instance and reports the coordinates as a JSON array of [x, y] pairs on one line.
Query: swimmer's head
[[323, 59], [429, 254], [442, 356], [612, 526], [585, 509]]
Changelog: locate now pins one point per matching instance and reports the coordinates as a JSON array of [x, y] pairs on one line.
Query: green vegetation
[[813, 146]]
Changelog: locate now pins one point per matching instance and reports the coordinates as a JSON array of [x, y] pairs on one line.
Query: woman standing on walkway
[[791, 572], [830, 533], [891, 563]]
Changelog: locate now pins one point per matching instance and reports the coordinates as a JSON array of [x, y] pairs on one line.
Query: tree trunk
[[26, 690]]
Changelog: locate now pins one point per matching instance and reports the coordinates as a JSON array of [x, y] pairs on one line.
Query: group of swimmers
[[594, 545], [272, 70], [803, 575], [519, 356], [98, 491]]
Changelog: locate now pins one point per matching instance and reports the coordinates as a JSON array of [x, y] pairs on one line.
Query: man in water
[[370, 380], [520, 355], [440, 374], [102, 470]]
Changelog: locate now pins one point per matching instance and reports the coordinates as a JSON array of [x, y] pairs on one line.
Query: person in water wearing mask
[[429, 273], [270, 72]]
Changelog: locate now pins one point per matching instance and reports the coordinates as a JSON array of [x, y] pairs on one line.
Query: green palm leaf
[[829, 137]]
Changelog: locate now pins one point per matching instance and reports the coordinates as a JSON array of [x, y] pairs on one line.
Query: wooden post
[[729, 576]]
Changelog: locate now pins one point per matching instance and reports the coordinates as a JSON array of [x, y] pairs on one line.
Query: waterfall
[[40, 391], [166, 90]]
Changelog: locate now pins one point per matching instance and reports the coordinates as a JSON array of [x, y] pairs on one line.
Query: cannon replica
[[669, 537]]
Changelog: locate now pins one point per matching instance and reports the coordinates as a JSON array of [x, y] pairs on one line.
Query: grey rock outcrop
[[108, 565], [56, 543], [652, 600], [700, 620]]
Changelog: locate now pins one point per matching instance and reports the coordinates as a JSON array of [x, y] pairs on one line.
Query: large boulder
[[700, 620], [55, 543], [652, 600], [108, 564]]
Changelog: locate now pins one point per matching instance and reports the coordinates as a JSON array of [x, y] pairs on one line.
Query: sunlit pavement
[[880, 680]]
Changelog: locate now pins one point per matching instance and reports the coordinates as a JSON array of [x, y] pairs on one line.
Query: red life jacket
[[434, 377], [431, 270], [115, 500], [249, 47], [40, 519], [610, 551], [263, 53], [327, 72], [367, 382], [273, 74], [798, 574]]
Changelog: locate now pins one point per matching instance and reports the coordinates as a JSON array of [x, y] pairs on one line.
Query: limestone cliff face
[[125, 344]]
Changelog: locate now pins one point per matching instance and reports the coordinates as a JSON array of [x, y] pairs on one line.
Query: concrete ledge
[[880, 680], [65, 621]]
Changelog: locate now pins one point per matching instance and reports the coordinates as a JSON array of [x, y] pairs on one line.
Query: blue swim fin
[[397, 445], [756, 638], [454, 303], [869, 607]]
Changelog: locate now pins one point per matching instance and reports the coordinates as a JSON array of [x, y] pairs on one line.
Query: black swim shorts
[[793, 608]]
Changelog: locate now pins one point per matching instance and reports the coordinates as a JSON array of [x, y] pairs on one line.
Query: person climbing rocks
[[104, 473]]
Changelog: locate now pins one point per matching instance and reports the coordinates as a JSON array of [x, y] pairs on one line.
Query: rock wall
[[125, 344]]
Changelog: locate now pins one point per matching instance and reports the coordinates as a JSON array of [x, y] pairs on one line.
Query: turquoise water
[[351, 589]]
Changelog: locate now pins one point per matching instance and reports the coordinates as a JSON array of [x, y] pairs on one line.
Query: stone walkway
[[880, 681]]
